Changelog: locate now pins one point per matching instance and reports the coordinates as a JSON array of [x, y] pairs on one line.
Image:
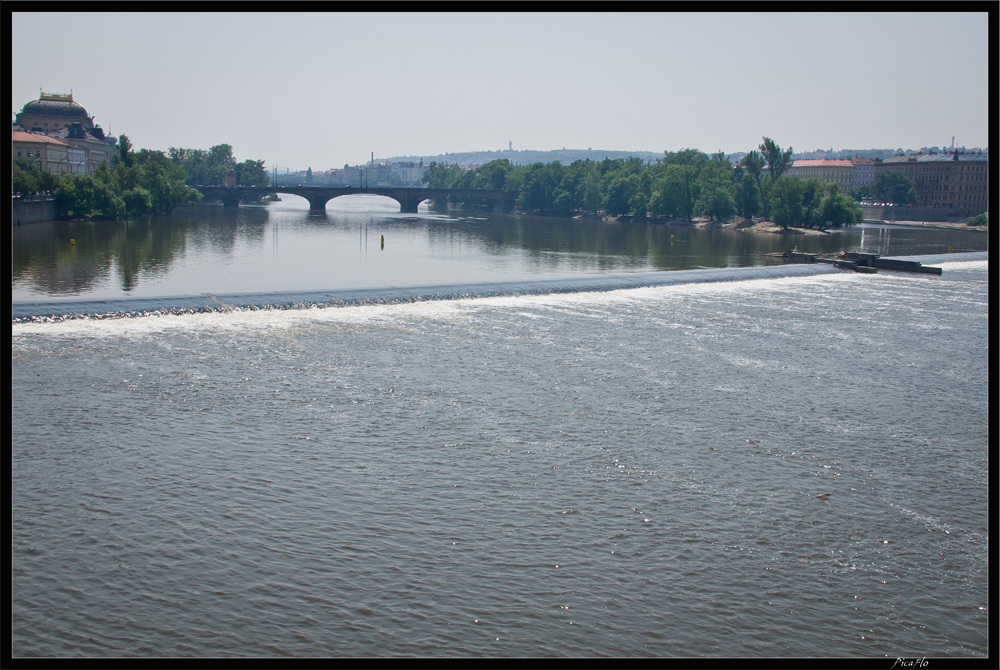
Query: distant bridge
[[318, 196]]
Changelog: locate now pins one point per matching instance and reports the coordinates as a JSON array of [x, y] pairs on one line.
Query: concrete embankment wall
[[31, 211], [914, 214]]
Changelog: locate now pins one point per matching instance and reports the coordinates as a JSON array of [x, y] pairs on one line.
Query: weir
[[859, 262], [60, 310]]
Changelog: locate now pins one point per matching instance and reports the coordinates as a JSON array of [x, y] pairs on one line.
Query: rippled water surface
[[620, 473]]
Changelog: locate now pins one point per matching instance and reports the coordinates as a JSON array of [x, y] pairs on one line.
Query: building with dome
[[55, 123], [52, 112]]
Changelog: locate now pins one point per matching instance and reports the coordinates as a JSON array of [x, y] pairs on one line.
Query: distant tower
[[510, 145]]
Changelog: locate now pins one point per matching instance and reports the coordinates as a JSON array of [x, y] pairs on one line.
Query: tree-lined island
[[681, 185]]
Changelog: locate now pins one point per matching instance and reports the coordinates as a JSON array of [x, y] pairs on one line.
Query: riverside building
[[831, 171], [47, 153], [956, 180], [864, 171]]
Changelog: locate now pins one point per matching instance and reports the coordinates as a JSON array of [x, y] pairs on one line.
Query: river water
[[625, 472]]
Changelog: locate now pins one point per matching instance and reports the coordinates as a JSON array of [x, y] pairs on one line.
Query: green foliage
[[637, 205], [838, 210], [27, 178], [678, 185], [672, 193], [690, 157], [753, 162], [77, 194], [778, 161], [493, 174], [442, 176], [140, 183], [786, 202], [124, 151], [717, 203], [619, 194], [894, 187], [812, 202], [982, 219], [24, 181], [138, 201], [592, 194], [538, 188], [209, 168], [747, 198]]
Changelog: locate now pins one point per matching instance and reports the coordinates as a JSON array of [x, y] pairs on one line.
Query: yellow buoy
[[72, 243]]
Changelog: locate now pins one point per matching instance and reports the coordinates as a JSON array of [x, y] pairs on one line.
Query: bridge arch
[[409, 199]]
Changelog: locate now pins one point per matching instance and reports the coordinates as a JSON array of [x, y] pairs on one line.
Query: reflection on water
[[285, 247]]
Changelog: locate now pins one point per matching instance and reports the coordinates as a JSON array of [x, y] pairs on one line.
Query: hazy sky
[[322, 90]]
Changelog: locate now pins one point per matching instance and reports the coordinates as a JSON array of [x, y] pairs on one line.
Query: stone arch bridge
[[318, 196]]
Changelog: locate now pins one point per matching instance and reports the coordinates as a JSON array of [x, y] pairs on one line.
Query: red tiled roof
[[823, 162], [18, 136]]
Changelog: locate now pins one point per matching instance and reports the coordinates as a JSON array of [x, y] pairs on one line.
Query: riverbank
[[739, 223], [951, 225]]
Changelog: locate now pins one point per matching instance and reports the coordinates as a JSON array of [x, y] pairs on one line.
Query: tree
[[138, 201], [692, 157], [778, 161], [492, 175], [839, 210], [719, 159], [251, 173], [208, 168], [894, 187], [24, 180], [716, 202], [442, 176], [812, 202], [637, 205], [747, 199], [754, 164], [619, 194], [713, 196], [672, 193], [124, 151], [786, 202], [592, 196]]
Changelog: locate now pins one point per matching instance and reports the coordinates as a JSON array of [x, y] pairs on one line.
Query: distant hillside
[[527, 156], [567, 156]]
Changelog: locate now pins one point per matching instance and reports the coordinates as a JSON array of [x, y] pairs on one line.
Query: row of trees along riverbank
[[136, 183], [682, 184]]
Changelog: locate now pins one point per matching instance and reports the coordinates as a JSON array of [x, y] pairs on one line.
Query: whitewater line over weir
[[44, 311]]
